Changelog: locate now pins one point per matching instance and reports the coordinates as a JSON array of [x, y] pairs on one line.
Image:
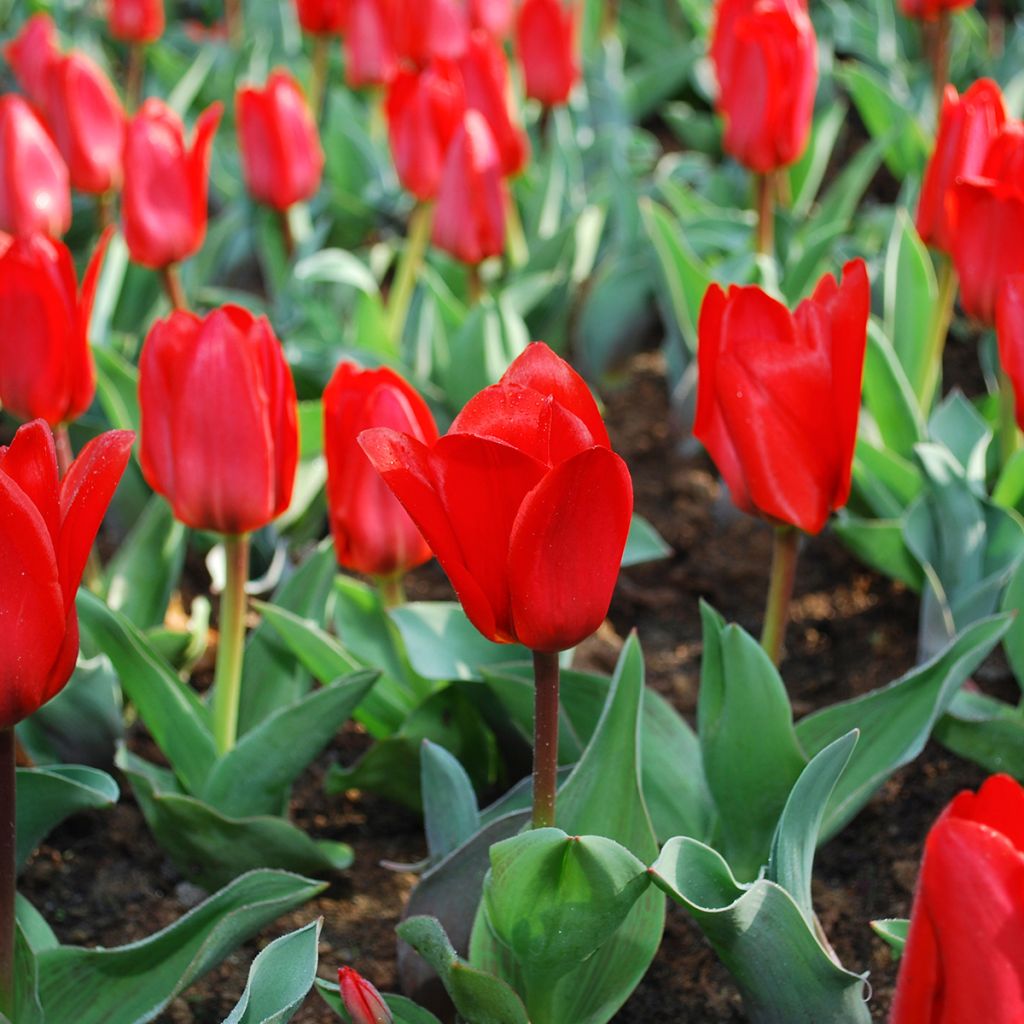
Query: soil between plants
[[102, 880]]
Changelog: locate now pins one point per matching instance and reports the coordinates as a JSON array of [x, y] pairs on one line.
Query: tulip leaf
[[255, 777], [894, 721], [177, 720], [643, 544], [450, 811], [117, 388], [807, 174], [889, 395], [271, 674], [46, 796], [986, 731], [958, 425], [280, 978], [1013, 642], [211, 848], [880, 544], [133, 984], [760, 934], [404, 1011], [894, 930], [751, 754], [1009, 489]]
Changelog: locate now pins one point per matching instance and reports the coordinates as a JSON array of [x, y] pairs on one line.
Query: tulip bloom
[[929, 10], [493, 16], [46, 367], [778, 395], [87, 121], [424, 110], [1010, 333], [765, 55], [962, 961], [163, 207], [363, 1003], [47, 531], [546, 45], [523, 502], [282, 159], [30, 54], [370, 57], [967, 126], [425, 29], [136, 21], [373, 534], [35, 194], [322, 17], [219, 419], [469, 221]]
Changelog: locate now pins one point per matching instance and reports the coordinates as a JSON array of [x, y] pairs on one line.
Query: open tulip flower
[[965, 948]]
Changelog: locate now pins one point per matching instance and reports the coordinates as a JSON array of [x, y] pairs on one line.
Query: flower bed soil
[[101, 878]]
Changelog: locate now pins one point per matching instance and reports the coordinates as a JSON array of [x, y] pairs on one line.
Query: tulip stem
[[8, 865], [942, 315], [172, 285], [233, 21], [515, 236], [475, 283], [765, 237], [1007, 418], [135, 76], [321, 66], [227, 679], [392, 593], [287, 235], [785, 550], [105, 210], [545, 738], [409, 264], [940, 60]]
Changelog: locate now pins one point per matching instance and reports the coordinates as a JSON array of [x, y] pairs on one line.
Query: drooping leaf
[[450, 812]]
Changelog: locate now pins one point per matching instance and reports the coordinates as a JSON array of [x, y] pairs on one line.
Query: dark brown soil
[[102, 879]]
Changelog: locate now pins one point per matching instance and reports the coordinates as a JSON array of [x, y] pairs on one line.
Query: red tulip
[[493, 16], [425, 29], [322, 17], [766, 60], [87, 121], [30, 54], [424, 110], [136, 21], [987, 221], [1010, 332], [282, 159], [928, 10], [46, 368], [523, 502], [546, 44], [163, 206], [34, 190], [778, 395], [219, 419], [370, 57], [485, 74], [469, 221], [373, 534], [46, 532], [363, 1003], [965, 948], [967, 126]]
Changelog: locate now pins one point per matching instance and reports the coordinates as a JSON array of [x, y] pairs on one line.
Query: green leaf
[[450, 811], [751, 754], [1013, 642], [958, 425], [894, 931], [807, 174], [280, 979], [117, 388], [889, 395], [173, 714], [404, 1011], [46, 796], [759, 933], [133, 984], [1009, 489], [986, 731], [644, 544], [894, 721], [880, 544]]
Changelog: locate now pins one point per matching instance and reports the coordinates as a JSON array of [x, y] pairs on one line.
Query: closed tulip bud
[[46, 367], [1010, 332], [30, 54], [765, 56], [282, 159], [778, 395], [485, 75], [87, 121], [373, 534], [469, 221], [163, 206], [370, 57], [322, 17], [219, 419], [967, 126], [363, 1003], [929, 10], [136, 21], [546, 45], [965, 946], [35, 194], [424, 110], [493, 16], [425, 29], [47, 527], [987, 222], [523, 503]]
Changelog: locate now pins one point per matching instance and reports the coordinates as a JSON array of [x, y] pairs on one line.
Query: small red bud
[[365, 1005]]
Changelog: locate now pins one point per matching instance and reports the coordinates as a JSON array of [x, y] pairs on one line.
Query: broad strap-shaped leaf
[[759, 933], [894, 930], [644, 544], [985, 730], [404, 1011], [280, 978], [132, 984], [450, 811], [177, 720], [27, 1007], [880, 544], [1013, 642]]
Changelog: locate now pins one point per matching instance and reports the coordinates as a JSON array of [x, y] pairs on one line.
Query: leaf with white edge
[[894, 931], [450, 811]]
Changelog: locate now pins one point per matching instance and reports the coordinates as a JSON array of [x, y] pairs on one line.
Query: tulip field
[[511, 511]]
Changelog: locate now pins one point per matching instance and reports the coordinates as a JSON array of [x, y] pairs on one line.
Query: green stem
[[515, 236], [392, 593], [136, 76], [545, 738], [8, 866], [1007, 418], [942, 315], [940, 61], [400, 297], [172, 284], [765, 238], [227, 680], [321, 65], [785, 550], [475, 283], [287, 235], [234, 21]]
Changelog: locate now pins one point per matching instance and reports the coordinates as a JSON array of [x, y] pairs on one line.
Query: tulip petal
[[1010, 332], [999, 804], [31, 462], [199, 169], [566, 549]]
